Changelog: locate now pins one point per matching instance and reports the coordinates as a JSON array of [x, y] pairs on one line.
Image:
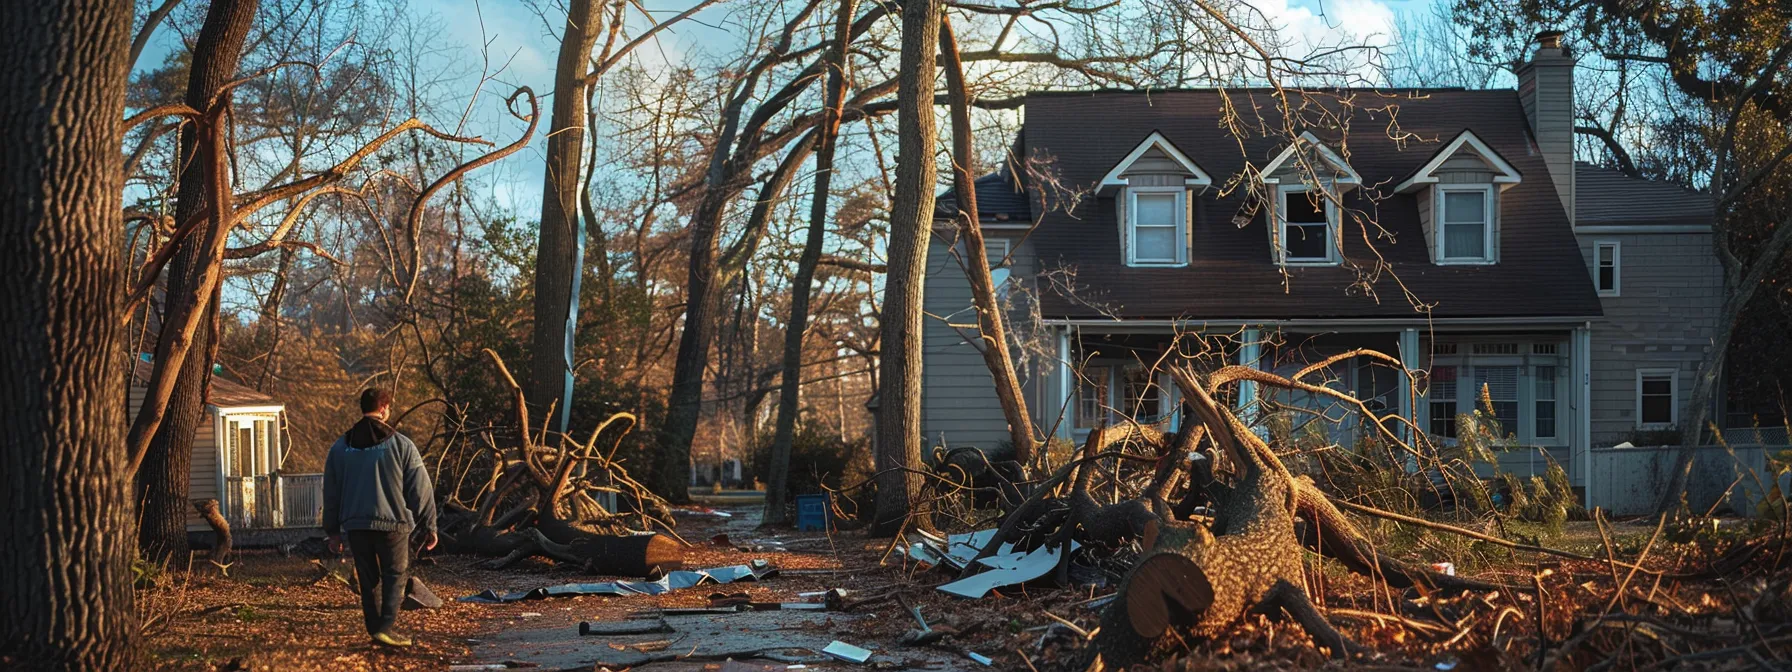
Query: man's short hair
[[375, 398]]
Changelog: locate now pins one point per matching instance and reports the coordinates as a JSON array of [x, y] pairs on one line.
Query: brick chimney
[[1546, 88]]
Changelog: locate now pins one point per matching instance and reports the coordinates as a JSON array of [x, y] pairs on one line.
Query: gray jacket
[[382, 487]]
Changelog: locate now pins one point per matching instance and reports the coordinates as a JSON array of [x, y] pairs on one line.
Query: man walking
[[377, 492]]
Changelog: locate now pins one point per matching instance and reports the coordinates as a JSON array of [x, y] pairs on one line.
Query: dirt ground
[[285, 613]]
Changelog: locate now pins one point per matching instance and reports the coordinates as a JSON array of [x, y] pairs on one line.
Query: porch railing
[[272, 502], [303, 500]]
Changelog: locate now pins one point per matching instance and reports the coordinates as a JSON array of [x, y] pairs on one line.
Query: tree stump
[[208, 508]]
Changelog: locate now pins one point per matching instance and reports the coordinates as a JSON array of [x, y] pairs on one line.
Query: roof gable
[[1156, 141], [1466, 141], [1290, 157]]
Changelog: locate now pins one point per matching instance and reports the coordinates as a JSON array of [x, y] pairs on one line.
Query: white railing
[[302, 503], [271, 502]]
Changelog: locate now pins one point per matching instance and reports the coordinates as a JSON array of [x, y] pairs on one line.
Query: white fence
[[1629, 481]]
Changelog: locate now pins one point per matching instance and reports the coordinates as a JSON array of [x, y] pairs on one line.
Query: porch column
[[1581, 363], [1250, 354], [1065, 404], [1410, 361]]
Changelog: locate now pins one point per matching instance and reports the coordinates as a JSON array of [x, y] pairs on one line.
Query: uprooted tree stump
[[539, 502]]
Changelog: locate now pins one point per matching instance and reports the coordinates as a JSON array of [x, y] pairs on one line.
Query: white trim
[[1325, 152], [1506, 177], [1617, 268], [1199, 178], [1641, 228], [248, 410], [1489, 210], [1132, 212], [1333, 228], [1510, 323], [1673, 376]]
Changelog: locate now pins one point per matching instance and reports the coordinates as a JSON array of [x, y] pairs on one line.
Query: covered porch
[[1535, 375]]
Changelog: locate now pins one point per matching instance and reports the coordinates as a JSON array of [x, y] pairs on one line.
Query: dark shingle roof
[[1231, 276], [1607, 196], [1000, 198], [224, 393]]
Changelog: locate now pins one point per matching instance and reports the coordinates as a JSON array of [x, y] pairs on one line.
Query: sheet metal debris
[[956, 550], [847, 652], [1006, 569], [675, 580]]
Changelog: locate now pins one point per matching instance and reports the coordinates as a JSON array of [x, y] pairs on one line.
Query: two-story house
[[1450, 228]]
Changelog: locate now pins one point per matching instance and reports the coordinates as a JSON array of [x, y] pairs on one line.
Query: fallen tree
[[1230, 546], [542, 500]]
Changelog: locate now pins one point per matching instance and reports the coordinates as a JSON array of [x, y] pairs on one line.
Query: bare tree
[[65, 582], [801, 286]]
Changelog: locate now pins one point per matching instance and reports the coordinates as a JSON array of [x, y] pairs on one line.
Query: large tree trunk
[[64, 560], [991, 322], [911, 217], [559, 256], [162, 478], [778, 478]]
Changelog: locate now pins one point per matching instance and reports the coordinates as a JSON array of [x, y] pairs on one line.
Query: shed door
[[251, 452]]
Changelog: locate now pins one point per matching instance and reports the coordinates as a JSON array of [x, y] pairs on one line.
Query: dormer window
[[1156, 225], [1308, 220], [1458, 193], [1308, 178], [1465, 214]]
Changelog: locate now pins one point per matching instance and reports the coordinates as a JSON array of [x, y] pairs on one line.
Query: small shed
[[238, 452]]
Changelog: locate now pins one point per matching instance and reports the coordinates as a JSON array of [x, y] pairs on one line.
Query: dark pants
[[381, 560]]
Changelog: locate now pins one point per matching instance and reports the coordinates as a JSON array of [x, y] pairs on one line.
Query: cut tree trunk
[[911, 218], [65, 584], [221, 544]]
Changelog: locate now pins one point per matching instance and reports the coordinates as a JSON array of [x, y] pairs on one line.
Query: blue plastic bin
[[811, 512]]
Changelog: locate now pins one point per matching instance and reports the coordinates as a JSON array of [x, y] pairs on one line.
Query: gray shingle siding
[[1670, 287]]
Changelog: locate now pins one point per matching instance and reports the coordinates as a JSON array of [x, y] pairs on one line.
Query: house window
[[1142, 397], [1092, 397], [1443, 401], [1466, 219], [1656, 405], [1376, 384], [1544, 425], [1605, 267], [1500, 386], [1155, 225], [996, 250], [1307, 219]]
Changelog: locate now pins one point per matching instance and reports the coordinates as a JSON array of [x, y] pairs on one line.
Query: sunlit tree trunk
[[559, 246], [162, 479], [911, 216], [64, 499]]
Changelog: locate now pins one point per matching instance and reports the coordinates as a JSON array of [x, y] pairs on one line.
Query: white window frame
[[1132, 239], [1468, 395], [1488, 214], [995, 259], [1617, 288], [1105, 383], [1673, 376], [1332, 227]]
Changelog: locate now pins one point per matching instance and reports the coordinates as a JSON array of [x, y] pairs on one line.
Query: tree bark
[[559, 251], [911, 217], [801, 286], [64, 563], [991, 322], [162, 478]]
